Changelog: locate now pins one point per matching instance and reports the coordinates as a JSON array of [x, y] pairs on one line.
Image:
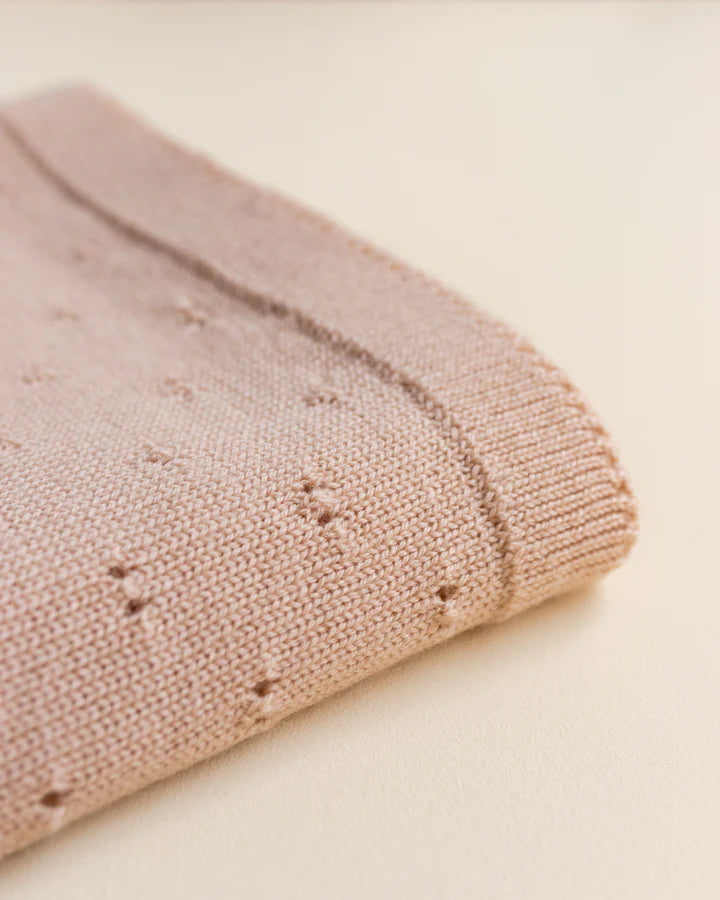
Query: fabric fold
[[247, 460]]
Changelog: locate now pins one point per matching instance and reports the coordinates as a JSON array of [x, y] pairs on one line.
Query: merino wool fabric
[[245, 461]]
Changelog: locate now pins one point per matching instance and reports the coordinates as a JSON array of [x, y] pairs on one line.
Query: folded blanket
[[245, 461]]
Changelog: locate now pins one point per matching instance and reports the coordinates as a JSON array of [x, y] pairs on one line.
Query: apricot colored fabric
[[245, 461]]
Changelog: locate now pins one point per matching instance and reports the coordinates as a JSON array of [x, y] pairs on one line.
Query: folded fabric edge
[[108, 160]]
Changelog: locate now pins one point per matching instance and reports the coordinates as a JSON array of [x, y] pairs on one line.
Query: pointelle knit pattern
[[245, 461]]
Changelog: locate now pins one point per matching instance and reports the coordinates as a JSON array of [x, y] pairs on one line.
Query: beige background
[[560, 164]]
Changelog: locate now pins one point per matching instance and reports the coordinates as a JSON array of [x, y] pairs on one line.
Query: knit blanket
[[246, 459]]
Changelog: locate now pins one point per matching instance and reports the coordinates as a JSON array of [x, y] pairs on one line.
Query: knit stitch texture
[[245, 461]]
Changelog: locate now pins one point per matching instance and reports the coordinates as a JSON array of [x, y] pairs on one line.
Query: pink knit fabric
[[245, 461]]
